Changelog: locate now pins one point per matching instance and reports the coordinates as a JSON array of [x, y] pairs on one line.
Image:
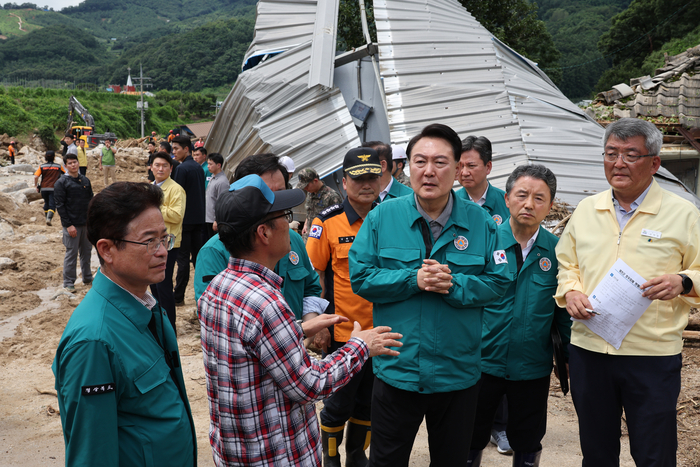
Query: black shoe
[[526, 459], [180, 303]]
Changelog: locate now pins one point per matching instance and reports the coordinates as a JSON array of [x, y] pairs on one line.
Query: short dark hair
[[70, 156], [202, 149], [384, 151], [163, 155], [50, 156], [259, 164], [216, 158], [238, 244], [152, 142], [480, 144], [111, 210], [69, 135], [183, 141], [438, 130], [165, 145], [537, 171]]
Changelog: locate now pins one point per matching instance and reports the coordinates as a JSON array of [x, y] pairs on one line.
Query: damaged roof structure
[[436, 64]]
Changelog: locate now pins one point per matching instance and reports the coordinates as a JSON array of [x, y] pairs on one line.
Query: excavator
[[85, 132]]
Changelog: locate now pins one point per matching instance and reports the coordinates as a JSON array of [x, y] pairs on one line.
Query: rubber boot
[[474, 459], [526, 459], [359, 433], [49, 216], [331, 439]]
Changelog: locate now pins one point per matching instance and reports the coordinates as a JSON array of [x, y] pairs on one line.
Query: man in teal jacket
[[432, 288], [516, 355], [118, 375], [301, 287], [389, 187], [474, 166]]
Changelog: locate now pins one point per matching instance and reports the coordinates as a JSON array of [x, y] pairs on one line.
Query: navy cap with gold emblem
[[361, 161]]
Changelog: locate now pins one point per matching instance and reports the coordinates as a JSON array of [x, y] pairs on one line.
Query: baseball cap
[[361, 161], [398, 152], [288, 163], [249, 200], [306, 176]]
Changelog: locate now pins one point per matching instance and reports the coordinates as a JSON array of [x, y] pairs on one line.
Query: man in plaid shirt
[[261, 383]]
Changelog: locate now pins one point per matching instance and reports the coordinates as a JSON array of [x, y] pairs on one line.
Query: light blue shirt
[[624, 216]]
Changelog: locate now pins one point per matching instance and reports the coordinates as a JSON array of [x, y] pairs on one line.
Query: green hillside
[[24, 111], [31, 21], [576, 26]]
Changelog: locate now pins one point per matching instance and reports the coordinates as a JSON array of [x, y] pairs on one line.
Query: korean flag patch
[[316, 231], [499, 256]]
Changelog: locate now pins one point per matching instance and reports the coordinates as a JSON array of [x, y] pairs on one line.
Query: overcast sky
[[55, 4]]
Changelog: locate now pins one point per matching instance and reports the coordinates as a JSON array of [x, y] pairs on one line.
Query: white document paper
[[618, 299]]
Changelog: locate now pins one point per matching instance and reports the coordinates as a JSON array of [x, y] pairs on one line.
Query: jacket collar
[[458, 217], [650, 205], [350, 212], [120, 299]]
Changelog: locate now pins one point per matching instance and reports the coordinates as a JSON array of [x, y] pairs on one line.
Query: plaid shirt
[[261, 383]]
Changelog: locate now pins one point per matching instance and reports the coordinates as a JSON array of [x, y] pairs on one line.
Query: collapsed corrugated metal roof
[[438, 64]]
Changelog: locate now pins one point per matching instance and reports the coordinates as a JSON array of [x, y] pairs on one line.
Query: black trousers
[[527, 412], [163, 291], [647, 387], [397, 415], [352, 400], [189, 246], [83, 169], [49, 202]]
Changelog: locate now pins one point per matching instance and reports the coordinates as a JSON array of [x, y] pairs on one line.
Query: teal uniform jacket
[[495, 203], [207, 174], [441, 333], [397, 190], [300, 277], [119, 404], [516, 343]]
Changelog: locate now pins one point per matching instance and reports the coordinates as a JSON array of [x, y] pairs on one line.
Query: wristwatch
[[687, 284], [303, 333]]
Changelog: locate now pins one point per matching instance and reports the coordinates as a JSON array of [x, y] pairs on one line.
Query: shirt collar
[[530, 243], [481, 200], [635, 204], [352, 215], [148, 300], [246, 267], [385, 191], [442, 218]]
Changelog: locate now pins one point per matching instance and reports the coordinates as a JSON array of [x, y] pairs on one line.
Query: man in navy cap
[[261, 383]]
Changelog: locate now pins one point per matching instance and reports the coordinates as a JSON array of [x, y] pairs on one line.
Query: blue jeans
[[49, 203]]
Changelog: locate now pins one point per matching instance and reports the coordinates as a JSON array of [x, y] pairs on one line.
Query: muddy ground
[[34, 311]]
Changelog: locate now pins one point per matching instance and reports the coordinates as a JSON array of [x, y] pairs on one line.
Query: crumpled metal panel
[[272, 109], [440, 65], [282, 24]]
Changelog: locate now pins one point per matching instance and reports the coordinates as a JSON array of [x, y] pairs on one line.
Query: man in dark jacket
[[73, 193], [190, 176]]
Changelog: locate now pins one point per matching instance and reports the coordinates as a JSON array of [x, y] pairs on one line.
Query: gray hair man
[[656, 234]]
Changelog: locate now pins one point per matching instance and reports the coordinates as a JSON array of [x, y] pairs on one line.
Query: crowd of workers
[[428, 304]]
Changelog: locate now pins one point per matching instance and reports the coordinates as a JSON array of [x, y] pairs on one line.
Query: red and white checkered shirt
[[261, 383]]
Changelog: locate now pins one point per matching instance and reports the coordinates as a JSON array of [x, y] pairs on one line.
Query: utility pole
[[143, 106]]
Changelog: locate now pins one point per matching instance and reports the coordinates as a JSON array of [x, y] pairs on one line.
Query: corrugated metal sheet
[[440, 65], [282, 24], [271, 108]]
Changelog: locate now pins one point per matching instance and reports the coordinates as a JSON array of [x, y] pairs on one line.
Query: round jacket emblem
[[461, 243], [545, 264], [498, 219], [294, 258]]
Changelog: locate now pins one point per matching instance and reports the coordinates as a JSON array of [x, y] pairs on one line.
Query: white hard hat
[[398, 151], [288, 163]]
